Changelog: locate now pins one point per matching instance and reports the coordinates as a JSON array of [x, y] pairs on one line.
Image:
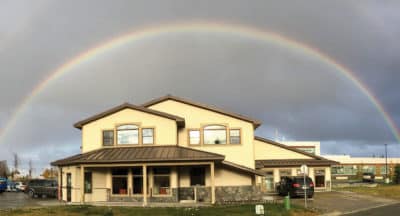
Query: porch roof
[[293, 162], [166, 153]]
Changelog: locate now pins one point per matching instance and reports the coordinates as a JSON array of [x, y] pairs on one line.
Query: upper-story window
[[127, 134], [194, 137], [214, 134], [108, 137], [234, 136], [148, 135]]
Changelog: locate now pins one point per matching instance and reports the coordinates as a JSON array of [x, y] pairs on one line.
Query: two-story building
[[171, 150]]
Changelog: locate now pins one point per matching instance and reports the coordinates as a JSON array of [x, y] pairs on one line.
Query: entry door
[[69, 187]]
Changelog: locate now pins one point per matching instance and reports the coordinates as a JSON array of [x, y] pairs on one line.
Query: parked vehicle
[[42, 187], [11, 187], [3, 185], [294, 186], [20, 186], [368, 177]]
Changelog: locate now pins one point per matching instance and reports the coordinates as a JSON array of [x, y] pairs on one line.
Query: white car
[[20, 186], [11, 187]]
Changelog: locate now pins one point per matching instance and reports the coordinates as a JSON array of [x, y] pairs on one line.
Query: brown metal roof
[[139, 154], [293, 162], [179, 120], [255, 122]]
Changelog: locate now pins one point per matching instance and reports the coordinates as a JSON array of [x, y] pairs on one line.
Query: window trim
[[141, 135], [200, 135], [240, 136], [85, 189], [102, 137], [201, 130], [170, 181], [212, 144]]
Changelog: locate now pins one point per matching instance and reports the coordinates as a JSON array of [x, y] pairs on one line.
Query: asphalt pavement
[[12, 200], [384, 210]]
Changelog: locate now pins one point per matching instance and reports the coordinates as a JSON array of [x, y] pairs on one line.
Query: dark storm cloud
[[300, 96]]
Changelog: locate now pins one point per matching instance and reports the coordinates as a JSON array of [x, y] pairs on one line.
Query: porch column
[[59, 194], [144, 185], [212, 173], [82, 184]]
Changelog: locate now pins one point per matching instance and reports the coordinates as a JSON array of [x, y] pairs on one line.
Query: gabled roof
[[139, 154], [280, 145], [255, 122], [179, 120]]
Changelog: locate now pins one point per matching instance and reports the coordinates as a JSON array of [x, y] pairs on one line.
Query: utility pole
[[30, 169], [386, 164]]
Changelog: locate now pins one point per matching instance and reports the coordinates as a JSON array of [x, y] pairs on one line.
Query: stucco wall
[[267, 151], [196, 118], [164, 133]]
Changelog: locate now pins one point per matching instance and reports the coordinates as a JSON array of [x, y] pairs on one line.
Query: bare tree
[[16, 165]]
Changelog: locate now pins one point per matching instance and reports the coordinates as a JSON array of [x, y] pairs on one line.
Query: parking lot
[[19, 199], [343, 202]]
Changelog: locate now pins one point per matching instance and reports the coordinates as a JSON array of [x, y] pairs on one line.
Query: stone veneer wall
[[229, 194], [203, 194], [223, 194], [163, 198]]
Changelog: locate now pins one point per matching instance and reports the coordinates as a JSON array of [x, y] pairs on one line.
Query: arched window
[[214, 134], [128, 134]]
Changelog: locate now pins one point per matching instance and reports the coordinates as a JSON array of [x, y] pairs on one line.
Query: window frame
[[125, 124], [200, 139], [113, 138], [126, 176], [85, 189], [240, 136], [169, 175], [203, 129], [142, 137]]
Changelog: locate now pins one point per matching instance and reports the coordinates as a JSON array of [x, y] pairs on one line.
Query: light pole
[[386, 164]]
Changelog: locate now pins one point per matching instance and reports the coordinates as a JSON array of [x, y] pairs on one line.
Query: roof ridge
[[213, 108], [288, 148], [126, 105]]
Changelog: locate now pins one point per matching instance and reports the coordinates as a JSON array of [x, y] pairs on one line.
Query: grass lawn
[[242, 210], [385, 191]]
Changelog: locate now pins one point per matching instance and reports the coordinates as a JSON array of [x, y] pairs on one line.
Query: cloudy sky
[[300, 96]]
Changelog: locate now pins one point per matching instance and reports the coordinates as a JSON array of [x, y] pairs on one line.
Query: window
[[137, 180], [128, 134], [108, 137], [234, 136], [215, 134], [148, 136], [194, 137], [369, 169], [120, 181], [88, 182], [161, 181], [198, 176], [383, 170]]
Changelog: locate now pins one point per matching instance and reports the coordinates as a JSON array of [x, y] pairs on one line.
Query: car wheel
[[31, 194]]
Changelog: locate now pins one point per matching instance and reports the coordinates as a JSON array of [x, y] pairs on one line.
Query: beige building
[[174, 150]]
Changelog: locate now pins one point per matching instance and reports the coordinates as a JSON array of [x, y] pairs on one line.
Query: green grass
[[236, 210], [382, 190]]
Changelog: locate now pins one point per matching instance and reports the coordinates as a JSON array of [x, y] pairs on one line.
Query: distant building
[[352, 167]]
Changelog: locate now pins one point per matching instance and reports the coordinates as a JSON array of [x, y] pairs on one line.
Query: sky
[[299, 96]]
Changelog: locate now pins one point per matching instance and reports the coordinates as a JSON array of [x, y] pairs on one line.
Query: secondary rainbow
[[193, 27]]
